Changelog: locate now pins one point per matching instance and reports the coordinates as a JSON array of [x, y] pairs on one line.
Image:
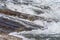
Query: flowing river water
[[47, 27]]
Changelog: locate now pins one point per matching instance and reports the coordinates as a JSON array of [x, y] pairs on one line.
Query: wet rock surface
[[8, 26], [8, 37]]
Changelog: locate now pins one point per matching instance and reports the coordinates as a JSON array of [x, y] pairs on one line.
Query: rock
[[18, 14], [9, 37]]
